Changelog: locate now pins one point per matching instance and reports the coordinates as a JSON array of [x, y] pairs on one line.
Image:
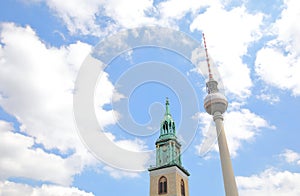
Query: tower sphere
[[215, 102]]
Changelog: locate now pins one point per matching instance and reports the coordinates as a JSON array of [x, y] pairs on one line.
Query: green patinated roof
[[167, 147], [167, 126]]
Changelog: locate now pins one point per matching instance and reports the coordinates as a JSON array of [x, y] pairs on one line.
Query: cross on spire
[[167, 106]]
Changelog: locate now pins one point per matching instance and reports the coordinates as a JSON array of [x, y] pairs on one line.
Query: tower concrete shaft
[[215, 103], [228, 174]]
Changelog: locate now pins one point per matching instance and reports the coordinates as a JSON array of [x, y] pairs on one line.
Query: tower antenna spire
[[207, 59]]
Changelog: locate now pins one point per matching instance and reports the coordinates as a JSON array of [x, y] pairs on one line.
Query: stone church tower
[[168, 177]]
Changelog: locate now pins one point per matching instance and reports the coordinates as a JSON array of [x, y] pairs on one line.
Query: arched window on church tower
[[182, 188], [162, 185], [166, 126]]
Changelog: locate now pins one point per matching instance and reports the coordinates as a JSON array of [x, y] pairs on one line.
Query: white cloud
[[281, 71], [229, 33], [241, 125], [173, 10], [270, 98], [278, 63], [136, 145], [104, 93], [119, 174], [100, 17], [20, 159], [270, 182], [130, 14], [36, 85], [239, 29], [286, 27], [15, 189], [78, 18], [291, 156], [36, 82]]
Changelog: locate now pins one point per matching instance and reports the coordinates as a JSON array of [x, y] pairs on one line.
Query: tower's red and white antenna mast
[[207, 59]]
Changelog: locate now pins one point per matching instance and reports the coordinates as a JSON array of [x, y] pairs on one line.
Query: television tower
[[215, 104]]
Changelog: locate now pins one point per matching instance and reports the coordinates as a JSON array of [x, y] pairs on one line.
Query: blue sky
[[255, 55]]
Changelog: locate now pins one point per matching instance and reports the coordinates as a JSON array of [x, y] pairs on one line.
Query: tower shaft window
[[182, 188], [162, 185]]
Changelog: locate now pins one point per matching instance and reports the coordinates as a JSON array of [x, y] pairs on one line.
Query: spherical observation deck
[[215, 102]]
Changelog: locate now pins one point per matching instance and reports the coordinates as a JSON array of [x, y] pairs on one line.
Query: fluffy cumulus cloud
[[36, 87], [104, 93], [282, 70], [100, 17], [136, 145], [239, 30], [131, 14], [117, 174], [14, 189], [273, 181], [268, 97], [77, 15], [228, 44], [270, 182], [138, 163], [241, 125], [174, 10], [291, 156], [19, 158], [37, 84]]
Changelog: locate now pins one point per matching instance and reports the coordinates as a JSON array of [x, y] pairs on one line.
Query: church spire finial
[[167, 106]]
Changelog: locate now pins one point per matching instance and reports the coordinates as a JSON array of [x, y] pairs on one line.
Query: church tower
[[168, 177]]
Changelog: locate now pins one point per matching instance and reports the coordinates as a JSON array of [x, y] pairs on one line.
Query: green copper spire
[[167, 126], [167, 146]]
